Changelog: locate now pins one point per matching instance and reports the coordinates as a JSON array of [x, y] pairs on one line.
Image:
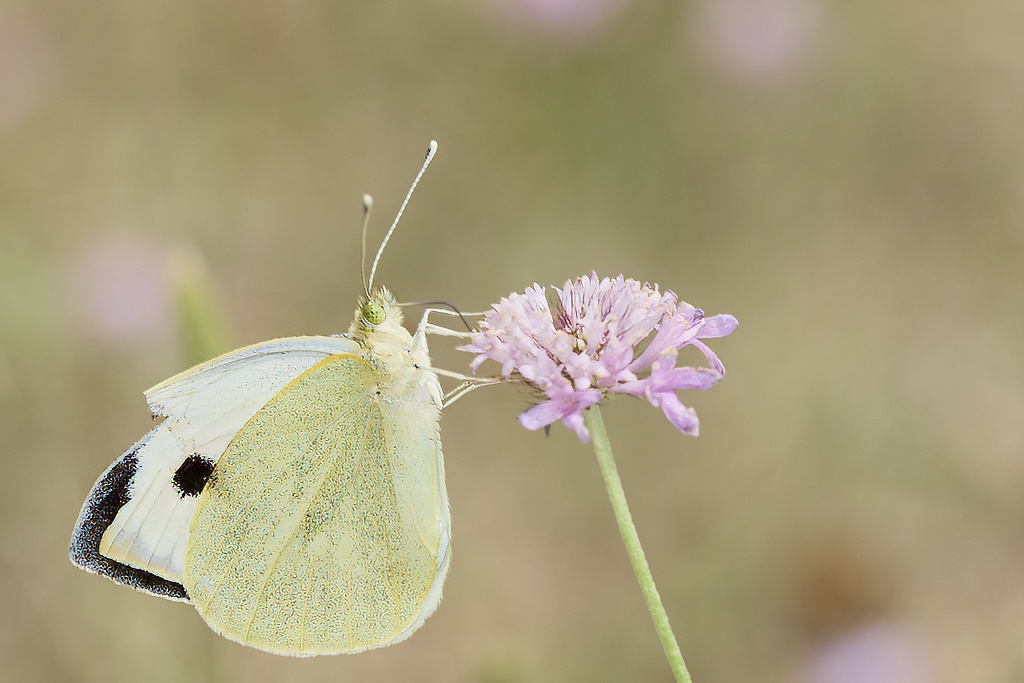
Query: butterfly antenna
[[431, 149], [367, 205]]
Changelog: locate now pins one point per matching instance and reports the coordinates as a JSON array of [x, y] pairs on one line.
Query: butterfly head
[[378, 315]]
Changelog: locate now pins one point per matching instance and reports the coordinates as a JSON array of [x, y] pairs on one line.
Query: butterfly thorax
[[390, 347]]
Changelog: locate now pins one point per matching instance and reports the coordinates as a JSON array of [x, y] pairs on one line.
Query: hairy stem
[[595, 423]]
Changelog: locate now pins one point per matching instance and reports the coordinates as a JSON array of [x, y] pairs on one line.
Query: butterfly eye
[[373, 313]]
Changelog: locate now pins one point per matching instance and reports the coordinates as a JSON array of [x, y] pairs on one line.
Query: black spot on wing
[[108, 496], [192, 475]]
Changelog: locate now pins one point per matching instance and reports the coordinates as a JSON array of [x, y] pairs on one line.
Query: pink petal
[[575, 422], [717, 326], [636, 387], [541, 415], [477, 362], [668, 380], [713, 360], [684, 419], [686, 378], [561, 407], [674, 333]]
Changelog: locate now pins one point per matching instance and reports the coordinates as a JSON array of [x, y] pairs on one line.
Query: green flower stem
[[200, 323], [595, 423]]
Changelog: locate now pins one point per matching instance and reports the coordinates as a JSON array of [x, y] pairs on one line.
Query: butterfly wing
[[134, 525], [325, 527]]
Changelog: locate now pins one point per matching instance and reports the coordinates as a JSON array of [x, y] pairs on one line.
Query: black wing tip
[[108, 496], [85, 554]]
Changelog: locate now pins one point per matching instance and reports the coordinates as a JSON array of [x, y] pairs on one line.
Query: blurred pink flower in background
[[877, 652], [571, 20], [761, 42], [27, 67], [120, 290]]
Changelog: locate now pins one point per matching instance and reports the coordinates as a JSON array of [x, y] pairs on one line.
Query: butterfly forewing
[[324, 526], [134, 526]]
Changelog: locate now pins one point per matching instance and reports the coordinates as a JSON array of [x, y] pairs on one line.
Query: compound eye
[[373, 313]]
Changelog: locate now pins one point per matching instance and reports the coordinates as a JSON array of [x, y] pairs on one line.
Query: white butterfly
[[294, 491]]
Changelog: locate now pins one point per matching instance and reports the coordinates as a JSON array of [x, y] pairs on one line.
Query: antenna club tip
[[367, 202], [380, 250]]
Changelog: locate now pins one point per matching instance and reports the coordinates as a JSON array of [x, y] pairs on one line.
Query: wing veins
[[276, 477], [234, 524], [298, 518], [387, 544], [156, 545], [148, 496]]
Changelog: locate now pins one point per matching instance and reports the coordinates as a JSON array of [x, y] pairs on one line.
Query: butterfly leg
[[427, 327], [464, 388], [467, 379], [468, 382]]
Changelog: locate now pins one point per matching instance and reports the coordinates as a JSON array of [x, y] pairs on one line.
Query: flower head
[[593, 344]]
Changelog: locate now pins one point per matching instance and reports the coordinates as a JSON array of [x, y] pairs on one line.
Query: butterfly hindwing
[[344, 543], [134, 526]]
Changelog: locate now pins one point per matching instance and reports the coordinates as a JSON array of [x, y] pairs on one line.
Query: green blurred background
[[845, 178]]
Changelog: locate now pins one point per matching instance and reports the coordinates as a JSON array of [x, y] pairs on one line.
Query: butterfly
[[294, 490]]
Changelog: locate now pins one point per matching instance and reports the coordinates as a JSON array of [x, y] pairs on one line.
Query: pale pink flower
[[120, 291], [759, 42], [593, 344], [881, 652], [569, 21]]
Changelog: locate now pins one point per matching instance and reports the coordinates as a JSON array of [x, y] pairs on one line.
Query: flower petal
[[673, 333], [575, 422], [686, 378], [717, 326], [713, 360], [541, 415], [562, 406], [682, 418]]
